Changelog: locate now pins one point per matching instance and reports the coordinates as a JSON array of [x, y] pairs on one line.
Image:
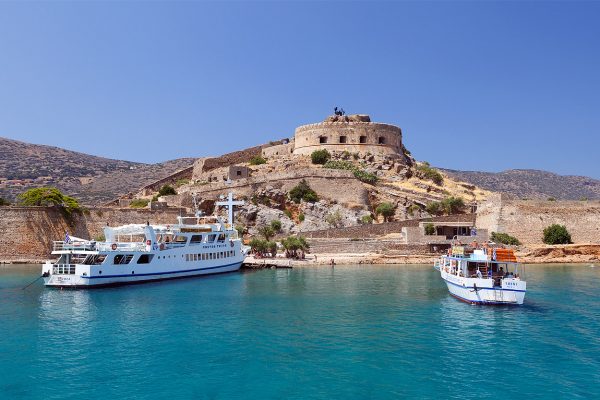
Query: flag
[[67, 238]]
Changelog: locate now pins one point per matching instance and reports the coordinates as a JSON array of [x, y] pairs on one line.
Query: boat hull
[[80, 281], [481, 291]]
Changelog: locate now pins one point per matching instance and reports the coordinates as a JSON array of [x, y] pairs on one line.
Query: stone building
[[352, 133]]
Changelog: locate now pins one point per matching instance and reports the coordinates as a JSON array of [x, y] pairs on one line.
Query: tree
[[267, 232], [366, 219], [167, 190], [556, 234], [320, 156], [425, 171], [293, 244], [302, 191], [429, 229], [50, 197], [434, 208], [276, 225], [386, 210], [453, 205], [505, 238]]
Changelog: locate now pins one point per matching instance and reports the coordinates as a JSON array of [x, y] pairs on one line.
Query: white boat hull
[[483, 291]]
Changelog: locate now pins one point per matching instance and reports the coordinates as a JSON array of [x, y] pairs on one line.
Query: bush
[[166, 190], [155, 197], [453, 205], [276, 225], [320, 156], [551, 199], [257, 160], [434, 208], [287, 213], [505, 238], [425, 171], [241, 229], [4, 202], [139, 203], [429, 229], [366, 219], [52, 197], [334, 219], [301, 217], [302, 191], [413, 209], [385, 209], [181, 182], [359, 174], [556, 234]]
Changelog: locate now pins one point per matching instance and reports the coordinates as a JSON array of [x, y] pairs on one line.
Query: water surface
[[352, 332]]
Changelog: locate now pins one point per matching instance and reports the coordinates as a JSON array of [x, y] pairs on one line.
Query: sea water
[[353, 332]]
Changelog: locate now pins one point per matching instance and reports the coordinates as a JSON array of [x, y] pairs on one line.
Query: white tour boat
[[194, 246], [482, 275]]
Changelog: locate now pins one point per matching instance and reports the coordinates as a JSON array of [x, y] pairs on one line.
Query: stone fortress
[[351, 133]]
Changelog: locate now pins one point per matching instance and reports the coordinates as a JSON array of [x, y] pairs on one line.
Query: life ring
[[162, 246], [113, 246], [148, 242]]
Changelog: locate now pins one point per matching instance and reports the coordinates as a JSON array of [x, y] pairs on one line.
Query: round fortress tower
[[352, 133]]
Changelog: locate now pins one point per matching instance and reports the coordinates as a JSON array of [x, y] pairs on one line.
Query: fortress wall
[[339, 185], [526, 219], [307, 137], [278, 150], [27, 233]]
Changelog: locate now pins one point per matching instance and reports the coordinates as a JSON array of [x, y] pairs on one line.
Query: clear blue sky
[[474, 85]]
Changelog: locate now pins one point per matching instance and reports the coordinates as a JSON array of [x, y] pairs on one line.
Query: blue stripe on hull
[[484, 288], [160, 273]]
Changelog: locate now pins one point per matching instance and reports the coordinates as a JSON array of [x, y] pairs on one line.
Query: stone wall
[[27, 233], [307, 138], [279, 150], [526, 219]]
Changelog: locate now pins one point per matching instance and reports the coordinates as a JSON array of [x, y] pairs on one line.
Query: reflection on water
[[349, 332]]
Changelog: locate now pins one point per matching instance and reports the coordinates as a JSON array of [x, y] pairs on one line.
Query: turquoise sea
[[353, 332]]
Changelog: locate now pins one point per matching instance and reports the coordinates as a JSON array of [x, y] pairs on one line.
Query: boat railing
[[127, 246], [73, 246]]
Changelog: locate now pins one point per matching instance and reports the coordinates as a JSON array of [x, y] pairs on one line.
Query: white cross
[[230, 203]]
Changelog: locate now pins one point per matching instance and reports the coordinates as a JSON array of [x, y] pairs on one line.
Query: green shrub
[[166, 190], [334, 219], [551, 199], [302, 191], [556, 234], [257, 160], [4, 202], [181, 182], [429, 229], [385, 209], [425, 171], [345, 154], [413, 209], [241, 229], [453, 205], [359, 174], [366, 219], [505, 238], [139, 203], [301, 217], [320, 156], [434, 208], [155, 197], [52, 197], [276, 225], [287, 213]]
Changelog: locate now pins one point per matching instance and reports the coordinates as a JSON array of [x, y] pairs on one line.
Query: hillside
[[91, 179], [532, 184]]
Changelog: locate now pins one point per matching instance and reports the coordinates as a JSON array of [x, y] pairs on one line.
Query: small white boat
[[140, 253], [483, 275]]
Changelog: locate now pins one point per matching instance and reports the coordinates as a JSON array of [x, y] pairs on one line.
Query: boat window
[[145, 259], [95, 259], [180, 239], [221, 237], [196, 239], [123, 258], [211, 238]]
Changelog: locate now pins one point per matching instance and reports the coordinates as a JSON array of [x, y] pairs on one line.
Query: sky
[[483, 86]]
